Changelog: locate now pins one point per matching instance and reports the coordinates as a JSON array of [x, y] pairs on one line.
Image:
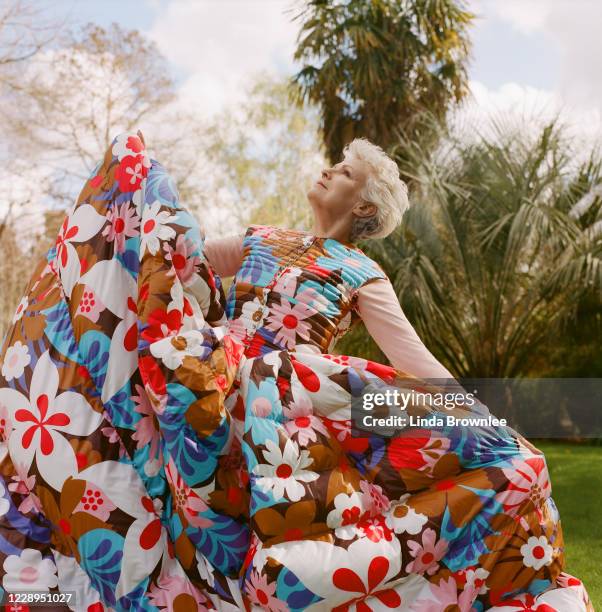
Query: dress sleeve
[[379, 308], [225, 254]]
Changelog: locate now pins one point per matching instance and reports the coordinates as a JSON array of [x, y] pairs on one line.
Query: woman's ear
[[365, 209]]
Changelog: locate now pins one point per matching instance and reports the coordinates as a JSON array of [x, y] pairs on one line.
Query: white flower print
[[285, 470], [22, 306], [173, 349], [536, 552], [29, 572], [154, 228], [16, 359], [252, 314], [40, 420], [404, 519]]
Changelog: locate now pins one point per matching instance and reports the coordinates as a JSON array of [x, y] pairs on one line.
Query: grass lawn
[[576, 475]]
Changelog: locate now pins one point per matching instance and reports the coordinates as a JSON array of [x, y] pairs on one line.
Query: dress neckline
[[348, 245]]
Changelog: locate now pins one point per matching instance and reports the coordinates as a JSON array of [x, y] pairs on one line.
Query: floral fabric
[[166, 448]]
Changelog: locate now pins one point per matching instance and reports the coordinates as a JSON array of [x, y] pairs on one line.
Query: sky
[[531, 56]]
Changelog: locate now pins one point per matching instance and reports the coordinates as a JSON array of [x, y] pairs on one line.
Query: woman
[[168, 449]]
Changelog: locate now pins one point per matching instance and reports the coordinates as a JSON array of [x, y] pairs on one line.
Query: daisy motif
[[29, 572], [404, 519], [536, 552], [303, 423], [261, 593], [284, 471], [16, 359], [252, 314], [426, 553], [184, 258], [155, 228], [147, 432], [123, 223], [173, 349], [287, 320]]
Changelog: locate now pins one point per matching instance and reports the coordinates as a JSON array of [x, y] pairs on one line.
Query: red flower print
[[347, 580], [405, 452], [162, 324], [130, 173]]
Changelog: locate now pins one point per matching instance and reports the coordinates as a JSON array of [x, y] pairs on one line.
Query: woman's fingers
[[141, 137]]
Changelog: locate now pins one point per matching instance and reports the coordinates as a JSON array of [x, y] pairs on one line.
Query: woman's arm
[[379, 308], [225, 254]]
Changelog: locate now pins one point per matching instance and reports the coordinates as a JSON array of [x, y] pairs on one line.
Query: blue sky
[[542, 51]]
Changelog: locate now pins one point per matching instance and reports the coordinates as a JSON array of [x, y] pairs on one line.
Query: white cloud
[[217, 44], [528, 107], [574, 27]]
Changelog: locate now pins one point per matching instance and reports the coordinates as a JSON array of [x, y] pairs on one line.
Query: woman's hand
[[141, 137]]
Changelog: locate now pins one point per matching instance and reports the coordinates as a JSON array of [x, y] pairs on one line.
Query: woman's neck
[[337, 230]]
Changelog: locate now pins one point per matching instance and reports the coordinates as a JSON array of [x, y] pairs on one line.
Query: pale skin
[[335, 199]]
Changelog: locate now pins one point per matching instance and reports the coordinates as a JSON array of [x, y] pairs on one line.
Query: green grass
[[576, 476]]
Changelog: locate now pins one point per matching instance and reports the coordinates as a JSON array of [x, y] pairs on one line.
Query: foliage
[[374, 66], [502, 242], [267, 155]]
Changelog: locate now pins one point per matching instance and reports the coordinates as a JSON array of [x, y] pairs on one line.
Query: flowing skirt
[[147, 463]]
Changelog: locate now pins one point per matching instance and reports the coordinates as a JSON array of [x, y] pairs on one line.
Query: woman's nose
[[325, 173]]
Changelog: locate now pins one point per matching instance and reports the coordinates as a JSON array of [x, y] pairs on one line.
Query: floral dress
[[164, 447]]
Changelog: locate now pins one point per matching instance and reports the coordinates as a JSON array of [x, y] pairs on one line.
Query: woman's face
[[337, 192]]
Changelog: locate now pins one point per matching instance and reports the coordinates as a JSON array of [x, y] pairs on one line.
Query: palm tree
[[373, 66], [503, 241]]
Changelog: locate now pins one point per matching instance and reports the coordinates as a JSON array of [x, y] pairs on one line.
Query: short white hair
[[384, 188]]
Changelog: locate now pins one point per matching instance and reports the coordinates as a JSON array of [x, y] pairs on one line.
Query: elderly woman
[[167, 449]]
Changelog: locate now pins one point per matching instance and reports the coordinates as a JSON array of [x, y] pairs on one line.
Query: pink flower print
[[303, 423], [287, 320], [146, 428], [90, 305], [444, 596], [95, 502], [426, 554], [262, 594], [23, 484], [123, 223], [183, 258], [187, 502], [170, 588], [374, 498]]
